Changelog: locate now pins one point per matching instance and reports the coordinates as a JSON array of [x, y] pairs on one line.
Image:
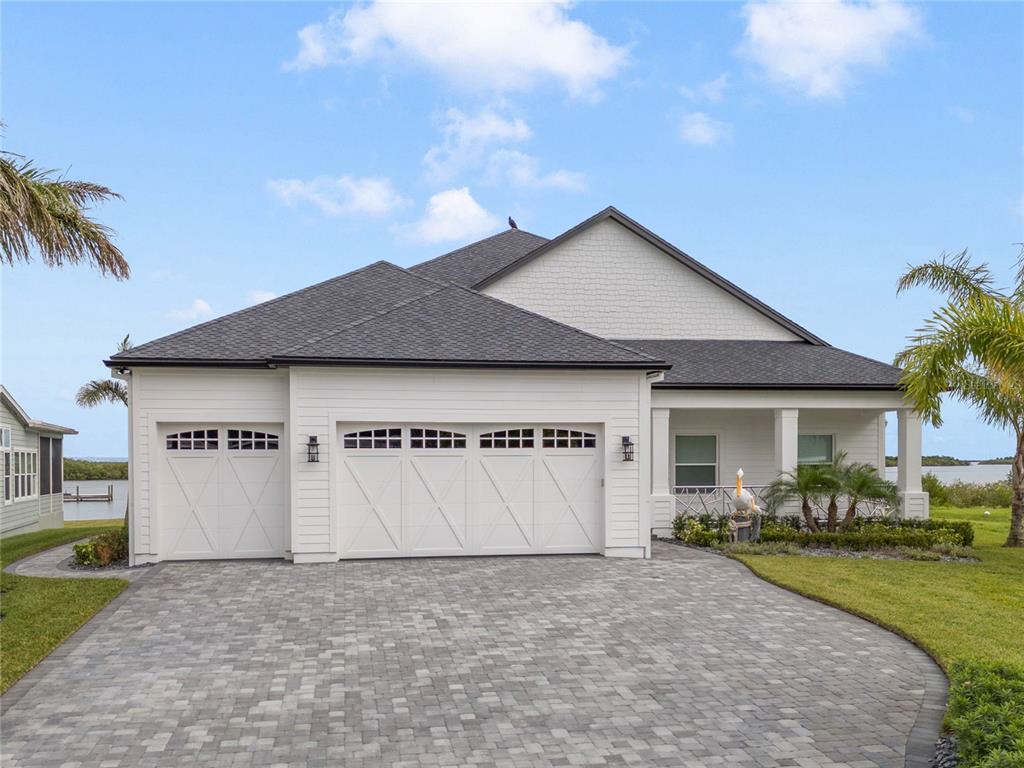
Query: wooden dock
[[78, 496]]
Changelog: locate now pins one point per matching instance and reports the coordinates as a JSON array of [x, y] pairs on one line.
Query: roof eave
[[171, 362], [800, 386], [436, 363]]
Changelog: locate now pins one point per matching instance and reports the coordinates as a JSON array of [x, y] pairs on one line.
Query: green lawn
[[39, 614], [952, 610]]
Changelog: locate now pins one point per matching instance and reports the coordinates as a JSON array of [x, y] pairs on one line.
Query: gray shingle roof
[[469, 265], [386, 314], [766, 364], [457, 325]]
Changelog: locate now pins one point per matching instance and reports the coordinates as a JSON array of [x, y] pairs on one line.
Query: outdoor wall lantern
[[312, 450], [627, 448]]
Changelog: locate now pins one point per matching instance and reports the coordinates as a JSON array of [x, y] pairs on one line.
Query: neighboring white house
[[32, 455], [519, 395]]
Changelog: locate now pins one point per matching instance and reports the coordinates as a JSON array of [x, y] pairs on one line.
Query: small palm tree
[[973, 349], [99, 391], [861, 482], [808, 484], [46, 213]]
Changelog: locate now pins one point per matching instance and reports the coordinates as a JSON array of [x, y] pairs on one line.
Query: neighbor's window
[[696, 460], [384, 437], [507, 438], [250, 440], [8, 479], [25, 474], [44, 466], [420, 437], [568, 438], [5, 437], [814, 449], [197, 440]]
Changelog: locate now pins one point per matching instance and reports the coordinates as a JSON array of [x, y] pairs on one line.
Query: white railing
[[693, 500]]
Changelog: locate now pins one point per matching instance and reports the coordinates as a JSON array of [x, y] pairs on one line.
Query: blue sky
[[806, 152]]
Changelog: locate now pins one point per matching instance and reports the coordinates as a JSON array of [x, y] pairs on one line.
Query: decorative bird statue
[[512, 223], [744, 501]]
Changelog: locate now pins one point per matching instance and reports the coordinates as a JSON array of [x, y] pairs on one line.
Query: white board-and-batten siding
[[186, 397], [312, 401], [611, 282]]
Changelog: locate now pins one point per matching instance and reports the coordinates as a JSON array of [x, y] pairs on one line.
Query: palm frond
[[44, 213], [99, 391], [953, 275]]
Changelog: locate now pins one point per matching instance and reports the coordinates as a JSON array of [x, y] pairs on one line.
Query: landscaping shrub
[[935, 489], [868, 536], [986, 713], [962, 532], [703, 531], [961, 494], [104, 549]]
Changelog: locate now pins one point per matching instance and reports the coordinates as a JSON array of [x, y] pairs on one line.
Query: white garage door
[[429, 490], [223, 491]]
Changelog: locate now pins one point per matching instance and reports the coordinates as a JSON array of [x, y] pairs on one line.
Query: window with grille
[[568, 438], [508, 438], [421, 437], [196, 440], [25, 466], [251, 440], [382, 437]]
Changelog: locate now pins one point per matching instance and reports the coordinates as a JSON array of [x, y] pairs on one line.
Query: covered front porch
[[700, 438]]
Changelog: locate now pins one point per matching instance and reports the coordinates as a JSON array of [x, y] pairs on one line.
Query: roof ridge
[[474, 243], [245, 310], [375, 316], [557, 322]]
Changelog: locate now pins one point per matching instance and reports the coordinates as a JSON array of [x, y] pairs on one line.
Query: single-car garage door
[[428, 490], [223, 491]]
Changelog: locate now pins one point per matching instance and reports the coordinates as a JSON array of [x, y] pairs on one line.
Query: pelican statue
[[744, 502]]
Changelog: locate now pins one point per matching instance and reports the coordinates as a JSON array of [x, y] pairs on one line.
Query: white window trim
[[696, 433], [816, 434]]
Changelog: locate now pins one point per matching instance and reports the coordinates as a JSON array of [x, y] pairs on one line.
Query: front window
[[696, 460], [814, 449], [25, 474]]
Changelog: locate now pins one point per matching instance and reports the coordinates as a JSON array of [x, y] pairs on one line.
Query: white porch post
[[662, 501], [913, 501], [786, 431]]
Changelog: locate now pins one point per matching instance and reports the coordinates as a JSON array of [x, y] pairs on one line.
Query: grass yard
[[956, 611], [39, 614]]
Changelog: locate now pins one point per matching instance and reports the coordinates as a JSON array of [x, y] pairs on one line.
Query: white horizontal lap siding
[[322, 397], [856, 432], [192, 396], [611, 282]]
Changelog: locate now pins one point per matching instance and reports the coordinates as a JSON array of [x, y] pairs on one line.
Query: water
[[972, 473], [96, 510]]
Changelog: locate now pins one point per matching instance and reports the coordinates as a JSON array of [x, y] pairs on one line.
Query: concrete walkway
[[684, 660], [50, 563]]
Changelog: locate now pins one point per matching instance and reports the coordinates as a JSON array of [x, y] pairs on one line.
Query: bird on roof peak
[[512, 223]]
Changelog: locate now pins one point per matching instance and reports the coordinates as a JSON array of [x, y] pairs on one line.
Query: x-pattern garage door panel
[[370, 494], [468, 496], [217, 500]]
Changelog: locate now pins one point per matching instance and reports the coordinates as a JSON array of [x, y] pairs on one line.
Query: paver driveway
[[683, 660]]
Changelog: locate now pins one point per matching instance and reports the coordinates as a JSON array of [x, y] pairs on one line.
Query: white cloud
[[197, 310], [815, 46], [342, 196], [700, 128], [259, 296], [712, 90], [452, 215], [493, 46], [467, 139], [522, 170]]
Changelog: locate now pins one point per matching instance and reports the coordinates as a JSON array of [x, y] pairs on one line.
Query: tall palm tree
[[43, 212], [972, 348]]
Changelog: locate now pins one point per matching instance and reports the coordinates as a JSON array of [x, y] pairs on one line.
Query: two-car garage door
[[429, 490]]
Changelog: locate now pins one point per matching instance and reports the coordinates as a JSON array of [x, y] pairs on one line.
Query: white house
[[518, 395]]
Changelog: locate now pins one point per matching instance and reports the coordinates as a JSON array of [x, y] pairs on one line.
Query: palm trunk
[[851, 513], [1016, 535], [805, 507], [833, 514]]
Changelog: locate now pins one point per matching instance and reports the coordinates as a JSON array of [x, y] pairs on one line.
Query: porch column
[[913, 500], [662, 501], [786, 431]]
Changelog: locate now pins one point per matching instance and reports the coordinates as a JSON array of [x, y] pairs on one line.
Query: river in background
[[96, 510], [972, 473]]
